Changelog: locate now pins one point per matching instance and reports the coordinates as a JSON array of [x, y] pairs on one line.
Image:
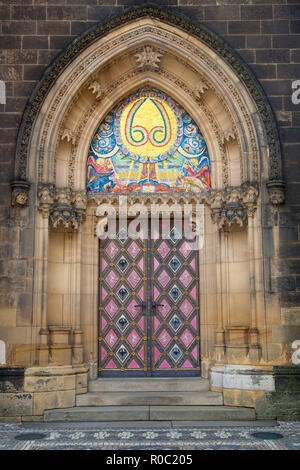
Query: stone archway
[[149, 47]]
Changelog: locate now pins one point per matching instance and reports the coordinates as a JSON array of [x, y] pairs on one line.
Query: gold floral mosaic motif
[[148, 143]]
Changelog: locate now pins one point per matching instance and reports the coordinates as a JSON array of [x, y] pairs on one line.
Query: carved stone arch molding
[[149, 47], [212, 81]]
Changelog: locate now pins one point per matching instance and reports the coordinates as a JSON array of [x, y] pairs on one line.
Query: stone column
[[46, 196], [254, 347]]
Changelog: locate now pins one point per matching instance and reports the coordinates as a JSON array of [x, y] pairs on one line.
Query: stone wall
[[26, 393]]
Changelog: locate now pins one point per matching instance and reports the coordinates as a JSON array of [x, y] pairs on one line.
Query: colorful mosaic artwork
[[148, 143]]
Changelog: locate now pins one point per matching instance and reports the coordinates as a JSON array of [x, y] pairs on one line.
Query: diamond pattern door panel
[[175, 320], [123, 327], [149, 314]]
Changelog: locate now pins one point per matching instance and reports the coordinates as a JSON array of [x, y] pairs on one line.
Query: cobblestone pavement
[[148, 436]]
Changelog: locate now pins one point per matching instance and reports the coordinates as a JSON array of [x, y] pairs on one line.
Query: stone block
[[52, 400], [49, 384], [285, 333], [35, 42], [275, 27], [16, 404], [246, 398], [28, 12], [81, 382], [8, 316]]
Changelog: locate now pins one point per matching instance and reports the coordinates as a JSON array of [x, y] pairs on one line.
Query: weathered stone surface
[[11, 379], [16, 404], [49, 400]]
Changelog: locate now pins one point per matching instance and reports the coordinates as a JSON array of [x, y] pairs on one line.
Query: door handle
[[143, 306], [155, 305]]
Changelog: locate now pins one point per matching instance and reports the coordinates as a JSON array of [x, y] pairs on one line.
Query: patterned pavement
[[93, 436]]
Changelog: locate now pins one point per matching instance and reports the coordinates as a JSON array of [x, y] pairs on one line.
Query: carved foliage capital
[[233, 206], [65, 209]]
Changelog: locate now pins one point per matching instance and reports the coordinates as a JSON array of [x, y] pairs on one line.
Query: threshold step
[[150, 413], [149, 384], [149, 398]]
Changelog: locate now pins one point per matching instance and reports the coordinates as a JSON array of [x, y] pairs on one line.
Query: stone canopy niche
[[221, 96]]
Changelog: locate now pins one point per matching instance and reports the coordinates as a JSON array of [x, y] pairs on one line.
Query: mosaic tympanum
[[148, 143]]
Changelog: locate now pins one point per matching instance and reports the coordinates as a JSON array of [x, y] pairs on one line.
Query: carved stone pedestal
[[60, 348]]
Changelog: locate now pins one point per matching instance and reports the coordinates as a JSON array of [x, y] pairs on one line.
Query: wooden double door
[[149, 322]]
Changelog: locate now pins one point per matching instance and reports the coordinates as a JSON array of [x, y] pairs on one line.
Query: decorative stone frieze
[[65, 209], [20, 190]]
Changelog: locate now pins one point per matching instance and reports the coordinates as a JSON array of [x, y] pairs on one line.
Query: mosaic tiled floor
[[77, 436]]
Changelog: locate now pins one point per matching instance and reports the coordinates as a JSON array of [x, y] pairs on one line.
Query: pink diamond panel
[[163, 278], [163, 249], [133, 279]]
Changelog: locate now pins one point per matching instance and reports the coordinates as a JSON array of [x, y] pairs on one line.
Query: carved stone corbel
[[276, 196], [46, 195], [97, 89], [227, 135], [65, 209], [20, 190], [233, 206], [276, 192], [69, 135]]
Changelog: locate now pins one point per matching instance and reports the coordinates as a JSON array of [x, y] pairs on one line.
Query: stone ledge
[[242, 378]]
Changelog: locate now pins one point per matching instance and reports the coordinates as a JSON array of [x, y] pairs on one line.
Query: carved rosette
[[148, 56], [20, 190], [65, 209]]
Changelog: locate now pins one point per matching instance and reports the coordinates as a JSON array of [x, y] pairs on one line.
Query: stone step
[[149, 398], [149, 413], [150, 384]]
